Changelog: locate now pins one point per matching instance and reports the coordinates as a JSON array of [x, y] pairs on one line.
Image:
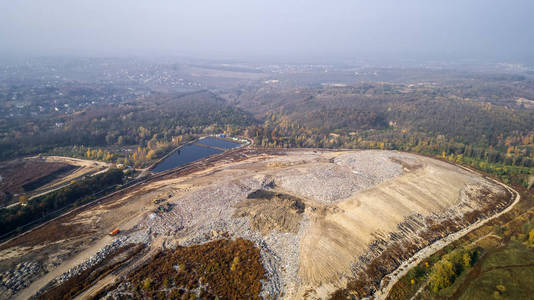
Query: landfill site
[[318, 220]]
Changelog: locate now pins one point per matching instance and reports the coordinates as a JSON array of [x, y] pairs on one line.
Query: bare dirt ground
[[15, 175], [20, 176], [268, 211], [328, 209], [62, 268], [85, 168], [422, 254]]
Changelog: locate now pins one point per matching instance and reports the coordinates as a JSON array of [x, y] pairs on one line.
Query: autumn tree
[[441, 275], [23, 199]]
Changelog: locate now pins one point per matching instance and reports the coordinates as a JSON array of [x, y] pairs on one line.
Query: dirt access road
[[116, 210], [390, 280], [85, 167], [64, 267], [346, 195]]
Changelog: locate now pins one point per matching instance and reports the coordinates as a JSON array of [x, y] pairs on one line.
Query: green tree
[[441, 275], [467, 260]]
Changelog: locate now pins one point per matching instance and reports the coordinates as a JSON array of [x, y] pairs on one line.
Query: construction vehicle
[[114, 232], [158, 201]]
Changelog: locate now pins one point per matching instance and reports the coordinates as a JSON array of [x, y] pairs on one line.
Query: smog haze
[[473, 29]]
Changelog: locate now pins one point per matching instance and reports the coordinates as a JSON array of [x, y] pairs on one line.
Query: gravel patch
[[377, 166], [18, 278]]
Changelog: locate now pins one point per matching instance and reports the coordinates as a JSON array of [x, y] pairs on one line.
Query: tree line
[[78, 192]]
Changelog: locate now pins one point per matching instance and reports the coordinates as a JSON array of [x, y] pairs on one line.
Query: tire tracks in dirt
[[391, 279]]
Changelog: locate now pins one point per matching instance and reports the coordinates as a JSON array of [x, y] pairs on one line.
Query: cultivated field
[[323, 221]]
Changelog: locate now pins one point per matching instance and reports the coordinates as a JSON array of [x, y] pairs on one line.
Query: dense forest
[[156, 122], [494, 138], [485, 123]]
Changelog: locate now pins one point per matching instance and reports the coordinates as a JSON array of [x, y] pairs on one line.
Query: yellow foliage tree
[[467, 260], [151, 154], [531, 237], [23, 199], [441, 275]]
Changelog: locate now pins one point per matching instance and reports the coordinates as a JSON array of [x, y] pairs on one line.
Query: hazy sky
[[486, 29]]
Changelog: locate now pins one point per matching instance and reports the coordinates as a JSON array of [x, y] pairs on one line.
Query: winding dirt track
[[394, 276], [390, 280]]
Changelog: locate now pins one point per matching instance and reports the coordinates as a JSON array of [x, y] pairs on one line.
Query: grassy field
[[506, 273]]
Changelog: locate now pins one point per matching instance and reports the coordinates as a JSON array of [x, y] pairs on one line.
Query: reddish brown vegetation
[[73, 286], [54, 231], [227, 269], [21, 175]]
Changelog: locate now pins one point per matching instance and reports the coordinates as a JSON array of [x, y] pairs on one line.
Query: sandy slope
[[351, 199], [422, 254]]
